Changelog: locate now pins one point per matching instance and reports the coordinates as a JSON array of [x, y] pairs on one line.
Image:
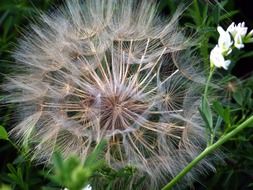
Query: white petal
[[226, 64], [232, 29], [238, 41], [220, 30], [224, 41], [217, 59], [88, 187]]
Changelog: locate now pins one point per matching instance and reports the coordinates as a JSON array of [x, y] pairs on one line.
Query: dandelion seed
[[110, 70]]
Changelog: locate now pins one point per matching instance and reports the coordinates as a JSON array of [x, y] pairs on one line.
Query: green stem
[[207, 151], [13, 144]]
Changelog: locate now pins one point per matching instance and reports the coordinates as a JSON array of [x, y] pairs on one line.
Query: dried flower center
[[120, 113]]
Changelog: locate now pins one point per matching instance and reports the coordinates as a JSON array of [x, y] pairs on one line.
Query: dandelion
[[110, 70]]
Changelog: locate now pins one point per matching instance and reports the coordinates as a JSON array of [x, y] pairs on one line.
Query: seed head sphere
[[114, 70]]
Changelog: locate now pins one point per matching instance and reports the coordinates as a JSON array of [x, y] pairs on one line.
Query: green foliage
[[17, 176], [222, 117], [221, 111], [206, 113], [74, 174], [14, 13], [20, 175], [106, 178], [3, 133], [5, 187], [243, 97]]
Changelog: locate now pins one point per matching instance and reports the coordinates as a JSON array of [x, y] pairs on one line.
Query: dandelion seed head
[[112, 70]]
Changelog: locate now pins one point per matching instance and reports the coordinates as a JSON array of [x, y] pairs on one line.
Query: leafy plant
[[73, 173]]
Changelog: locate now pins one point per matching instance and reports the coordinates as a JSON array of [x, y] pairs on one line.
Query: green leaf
[[247, 54], [221, 111], [238, 97], [3, 133], [2, 18], [5, 187], [247, 96], [228, 15], [72, 172], [218, 124], [206, 113], [218, 108], [243, 96]]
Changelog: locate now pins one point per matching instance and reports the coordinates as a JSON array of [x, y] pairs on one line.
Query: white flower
[[238, 41], [224, 41], [217, 59], [238, 29], [238, 32], [220, 51], [87, 187]]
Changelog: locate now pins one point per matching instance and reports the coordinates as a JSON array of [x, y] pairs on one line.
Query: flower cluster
[[234, 37]]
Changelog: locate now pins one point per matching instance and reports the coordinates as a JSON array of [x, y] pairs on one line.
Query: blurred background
[[235, 174]]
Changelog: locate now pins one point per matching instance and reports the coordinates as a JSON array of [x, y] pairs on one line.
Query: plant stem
[[207, 151]]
